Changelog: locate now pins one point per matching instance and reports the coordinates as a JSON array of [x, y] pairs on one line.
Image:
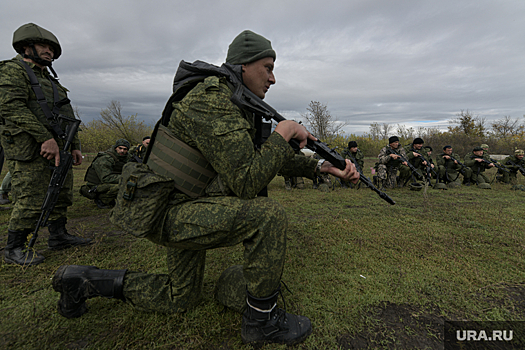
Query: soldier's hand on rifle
[[77, 157], [424, 163], [478, 160], [446, 157], [405, 163], [289, 129], [349, 174], [50, 150], [491, 164], [394, 156], [416, 154]]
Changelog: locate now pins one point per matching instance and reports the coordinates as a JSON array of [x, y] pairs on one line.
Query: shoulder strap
[[41, 99]]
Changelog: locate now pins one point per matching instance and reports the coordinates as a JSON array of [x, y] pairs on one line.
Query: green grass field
[[368, 274]]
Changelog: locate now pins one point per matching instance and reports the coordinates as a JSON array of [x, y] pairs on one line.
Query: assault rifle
[[463, 166], [492, 161], [247, 100], [57, 178], [415, 173], [429, 164], [520, 168]]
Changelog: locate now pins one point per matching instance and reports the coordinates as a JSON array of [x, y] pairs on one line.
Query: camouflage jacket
[[384, 156], [207, 120], [24, 125], [106, 168], [513, 159], [358, 156], [472, 163], [417, 162], [448, 163]]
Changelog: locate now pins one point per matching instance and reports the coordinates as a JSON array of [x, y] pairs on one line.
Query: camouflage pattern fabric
[[138, 150], [25, 128], [104, 173], [207, 120], [448, 170], [478, 168], [387, 167], [511, 177], [358, 156]]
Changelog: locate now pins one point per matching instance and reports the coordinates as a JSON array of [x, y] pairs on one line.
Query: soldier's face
[[394, 144], [418, 146], [44, 51], [121, 150], [258, 76], [448, 151], [146, 142], [520, 157], [353, 149], [478, 153]]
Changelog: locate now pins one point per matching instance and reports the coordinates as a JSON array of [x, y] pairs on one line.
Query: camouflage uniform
[[405, 172], [512, 177], [449, 171], [478, 168], [104, 173], [24, 129], [207, 120], [387, 167], [358, 156]]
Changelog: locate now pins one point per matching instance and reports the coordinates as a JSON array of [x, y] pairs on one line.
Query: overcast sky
[[414, 63]]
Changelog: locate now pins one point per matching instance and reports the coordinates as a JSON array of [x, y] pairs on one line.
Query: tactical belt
[[184, 164]]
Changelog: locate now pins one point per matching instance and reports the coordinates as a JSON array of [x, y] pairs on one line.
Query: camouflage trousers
[[387, 175], [105, 192], [509, 178], [480, 178], [29, 183], [450, 175], [190, 229]]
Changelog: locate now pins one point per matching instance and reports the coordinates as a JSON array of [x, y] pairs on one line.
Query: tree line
[[465, 132]]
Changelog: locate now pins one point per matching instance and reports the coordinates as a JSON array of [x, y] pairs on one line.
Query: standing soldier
[[514, 164], [478, 162], [389, 162], [29, 136]]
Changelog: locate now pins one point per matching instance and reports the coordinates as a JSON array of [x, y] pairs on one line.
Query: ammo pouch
[[18, 144], [142, 200], [172, 158]]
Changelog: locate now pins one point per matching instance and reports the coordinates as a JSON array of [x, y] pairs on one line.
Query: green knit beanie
[[249, 47], [122, 142]]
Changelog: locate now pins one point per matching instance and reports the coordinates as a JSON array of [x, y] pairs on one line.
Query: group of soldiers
[[398, 166], [35, 132], [102, 176]]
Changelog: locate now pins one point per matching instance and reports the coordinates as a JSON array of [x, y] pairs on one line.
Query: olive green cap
[[32, 33], [484, 145], [249, 47]]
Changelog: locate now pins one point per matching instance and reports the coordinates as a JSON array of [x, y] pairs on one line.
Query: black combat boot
[[77, 283], [263, 322], [16, 253], [59, 238]]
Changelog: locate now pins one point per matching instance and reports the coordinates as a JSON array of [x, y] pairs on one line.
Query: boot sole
[[57, 286], [32, 263], [294, 342]]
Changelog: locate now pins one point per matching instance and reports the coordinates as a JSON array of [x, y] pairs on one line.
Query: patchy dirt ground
[[408, 327]]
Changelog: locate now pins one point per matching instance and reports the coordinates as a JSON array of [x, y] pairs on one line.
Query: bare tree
[[386, 129], [468, 124], [405, 133], [127, 127], [321, 122], [507, 127]]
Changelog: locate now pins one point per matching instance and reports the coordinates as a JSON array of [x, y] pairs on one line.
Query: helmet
[[440, 186], [30, 33], [415, 186], [485, 186]]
